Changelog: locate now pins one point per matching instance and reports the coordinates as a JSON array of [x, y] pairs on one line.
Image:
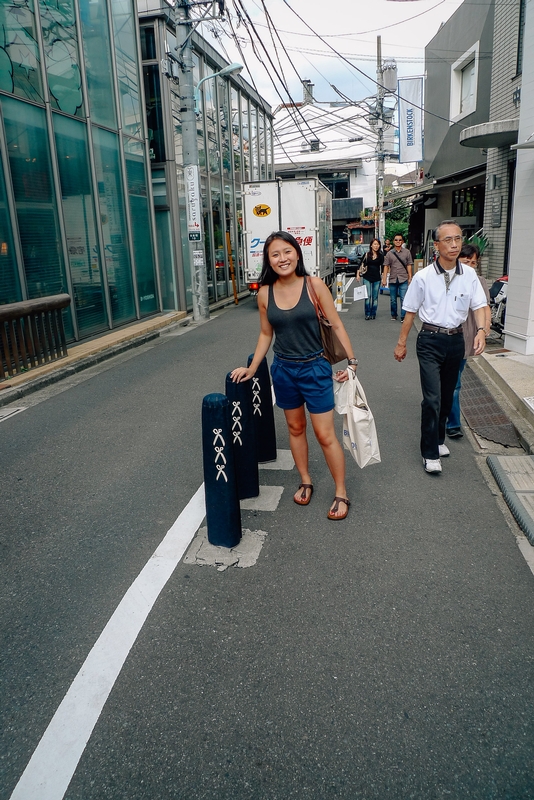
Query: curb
[[512, 496], [40, 382], [157, 326]]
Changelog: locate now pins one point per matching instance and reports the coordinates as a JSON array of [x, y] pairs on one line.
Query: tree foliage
[[396, 219]]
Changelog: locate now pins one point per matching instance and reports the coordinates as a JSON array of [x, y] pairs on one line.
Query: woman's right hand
[[241, 374]]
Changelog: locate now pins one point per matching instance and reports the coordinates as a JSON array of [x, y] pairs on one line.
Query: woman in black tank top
[[301, 374]]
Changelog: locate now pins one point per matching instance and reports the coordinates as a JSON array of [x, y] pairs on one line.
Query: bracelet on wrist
[[352, 362]]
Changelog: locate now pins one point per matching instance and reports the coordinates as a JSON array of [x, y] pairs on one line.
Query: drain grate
[[483, 414]]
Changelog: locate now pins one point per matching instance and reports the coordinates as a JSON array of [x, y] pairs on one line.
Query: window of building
[[140, 217], [98, 64], [60, 41], [148, 43], [125, 47], [464, 84], [33, 187], [467, 97], [465, 202], [154, 113], [20, 65], [9, 277], [338, 183], [521, 36], [80, 224], [113, 218], [245, 134]]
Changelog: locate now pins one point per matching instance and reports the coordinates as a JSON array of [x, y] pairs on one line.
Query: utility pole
[[380, 154], [197, 253]]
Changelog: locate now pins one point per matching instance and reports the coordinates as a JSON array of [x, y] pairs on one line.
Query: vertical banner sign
[[192, 194], [410, 119]]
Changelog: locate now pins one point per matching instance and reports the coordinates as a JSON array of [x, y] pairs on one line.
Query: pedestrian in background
[[371, 271], [387, 246], [442, 293], [398, 264], [300, 372], [470, 255]]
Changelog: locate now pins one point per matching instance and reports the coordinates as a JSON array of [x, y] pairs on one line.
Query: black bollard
[[263, 414], [243, 438], [222, 503]]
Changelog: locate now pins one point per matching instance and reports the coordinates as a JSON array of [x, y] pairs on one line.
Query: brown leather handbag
[[333, 349]]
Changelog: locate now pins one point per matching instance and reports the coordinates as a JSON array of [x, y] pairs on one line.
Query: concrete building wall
[[504, 104], [520, 304], [443, 154], [363, 183]]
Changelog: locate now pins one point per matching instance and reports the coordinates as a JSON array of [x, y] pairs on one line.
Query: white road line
[[56, 757]]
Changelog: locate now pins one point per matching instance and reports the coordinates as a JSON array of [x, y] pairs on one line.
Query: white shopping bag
[[360, 293], [359, 429]]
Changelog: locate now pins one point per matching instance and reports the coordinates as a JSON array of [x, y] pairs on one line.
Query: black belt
[[436, 329], [297, 360]]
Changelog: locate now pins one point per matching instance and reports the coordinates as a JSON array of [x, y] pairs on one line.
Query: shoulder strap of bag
[[399, 258], [315, 300]]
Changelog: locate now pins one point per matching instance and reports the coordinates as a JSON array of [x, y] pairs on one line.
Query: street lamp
[[229, 70]]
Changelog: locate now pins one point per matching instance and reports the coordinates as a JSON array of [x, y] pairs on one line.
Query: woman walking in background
[[470, 255], [301, 374], [371, 271]]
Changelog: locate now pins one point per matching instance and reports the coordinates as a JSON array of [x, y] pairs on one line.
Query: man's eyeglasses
[[451, 239]]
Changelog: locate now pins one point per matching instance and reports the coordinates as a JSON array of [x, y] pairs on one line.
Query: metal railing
[[31, 333]]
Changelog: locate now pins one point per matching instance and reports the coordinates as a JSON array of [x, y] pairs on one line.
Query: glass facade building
[[76, 211], [235, 144], [92, 199]]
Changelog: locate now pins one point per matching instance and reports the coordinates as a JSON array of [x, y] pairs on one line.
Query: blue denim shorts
[[299, 382]]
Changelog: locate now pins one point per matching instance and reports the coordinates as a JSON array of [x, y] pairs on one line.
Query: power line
[[271, 63], [242, 55], [373, 80]]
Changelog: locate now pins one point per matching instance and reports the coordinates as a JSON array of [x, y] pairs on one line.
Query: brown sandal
[[302, 501], [332, 512]]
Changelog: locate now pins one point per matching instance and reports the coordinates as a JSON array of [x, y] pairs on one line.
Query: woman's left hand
[[342, 375]]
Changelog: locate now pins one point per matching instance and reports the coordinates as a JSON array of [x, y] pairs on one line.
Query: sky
[[350, 27]]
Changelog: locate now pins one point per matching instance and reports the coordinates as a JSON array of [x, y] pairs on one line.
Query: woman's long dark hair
[[371, 245], [268, 275]]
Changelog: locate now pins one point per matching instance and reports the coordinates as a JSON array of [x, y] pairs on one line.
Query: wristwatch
[[482, 329], [352, 362]]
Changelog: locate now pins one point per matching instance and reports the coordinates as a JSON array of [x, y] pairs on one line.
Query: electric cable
[[373, 80], [284, 85], [243, 58]]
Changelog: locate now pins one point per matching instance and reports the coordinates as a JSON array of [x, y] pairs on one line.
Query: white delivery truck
[[303, 208]]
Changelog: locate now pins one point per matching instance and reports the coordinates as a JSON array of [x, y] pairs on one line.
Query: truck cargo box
[[300, 207]]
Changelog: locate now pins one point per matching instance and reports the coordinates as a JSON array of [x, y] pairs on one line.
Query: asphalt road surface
[[387, 656]]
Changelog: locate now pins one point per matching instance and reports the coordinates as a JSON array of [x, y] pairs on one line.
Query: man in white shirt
[[442, 294]]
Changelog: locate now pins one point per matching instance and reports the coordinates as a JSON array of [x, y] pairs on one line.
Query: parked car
[[349, 257]]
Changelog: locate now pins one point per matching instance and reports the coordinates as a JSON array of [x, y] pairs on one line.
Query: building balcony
[[500, 133]]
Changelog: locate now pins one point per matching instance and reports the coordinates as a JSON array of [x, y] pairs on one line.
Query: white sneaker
[[432, 465], [444, 451]]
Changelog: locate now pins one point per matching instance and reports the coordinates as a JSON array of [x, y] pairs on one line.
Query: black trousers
[[439, 357]]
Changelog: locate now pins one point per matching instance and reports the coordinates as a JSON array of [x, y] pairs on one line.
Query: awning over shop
[[412, 192]]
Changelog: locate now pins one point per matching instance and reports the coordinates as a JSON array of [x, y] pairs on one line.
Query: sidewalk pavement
[[508, 376], [87, 354]]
